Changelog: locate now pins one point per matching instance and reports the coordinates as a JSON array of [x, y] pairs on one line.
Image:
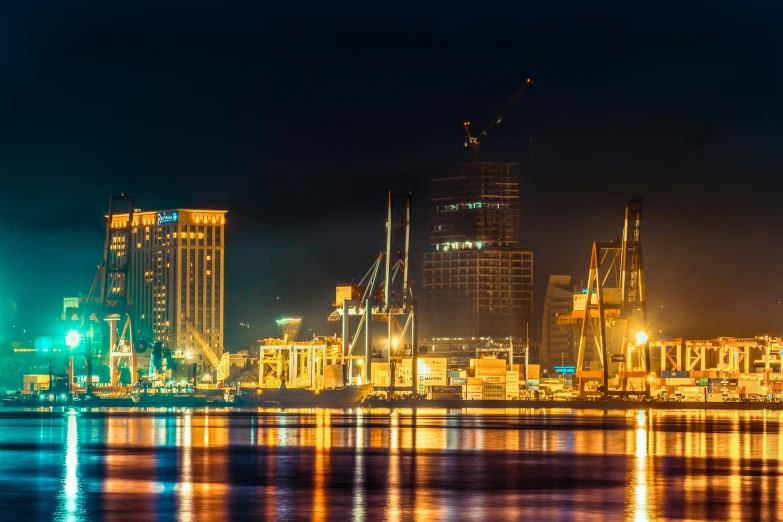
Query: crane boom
[[220, 364], [473, 141]]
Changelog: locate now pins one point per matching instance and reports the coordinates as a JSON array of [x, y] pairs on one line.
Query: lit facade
[[176, 276], [477, 281]]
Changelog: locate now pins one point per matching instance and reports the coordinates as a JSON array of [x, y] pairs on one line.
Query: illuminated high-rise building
[[477, 281], [176, 276]]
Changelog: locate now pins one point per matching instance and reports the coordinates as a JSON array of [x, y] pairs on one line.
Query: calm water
[[377, 465]]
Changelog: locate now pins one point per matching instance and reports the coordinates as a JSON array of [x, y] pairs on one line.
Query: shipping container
[[679, 381], [35, 383], [446, 392], [490, 371], [533, 371], [494, 391]]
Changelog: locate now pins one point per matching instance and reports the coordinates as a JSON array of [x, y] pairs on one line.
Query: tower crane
[[473, 141]]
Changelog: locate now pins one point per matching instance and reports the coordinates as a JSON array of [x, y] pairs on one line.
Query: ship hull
[[348, 397]]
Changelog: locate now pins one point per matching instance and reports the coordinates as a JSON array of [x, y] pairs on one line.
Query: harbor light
[[640, 418], [73, 338], [641, 337]]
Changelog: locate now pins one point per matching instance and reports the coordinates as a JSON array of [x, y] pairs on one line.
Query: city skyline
[[303, 163]]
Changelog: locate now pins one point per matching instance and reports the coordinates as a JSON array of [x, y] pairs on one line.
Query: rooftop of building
[[171, 215], [140, 212]]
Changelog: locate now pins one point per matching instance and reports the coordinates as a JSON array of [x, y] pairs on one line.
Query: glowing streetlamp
[[72, 339], [641, 337]]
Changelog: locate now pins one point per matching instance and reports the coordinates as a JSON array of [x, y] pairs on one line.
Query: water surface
[[467, 464]]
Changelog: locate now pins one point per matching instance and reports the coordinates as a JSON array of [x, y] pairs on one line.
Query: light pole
[[73, 338], [641, 340]]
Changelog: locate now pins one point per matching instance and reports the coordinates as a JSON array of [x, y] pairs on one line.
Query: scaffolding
[[478, 202]]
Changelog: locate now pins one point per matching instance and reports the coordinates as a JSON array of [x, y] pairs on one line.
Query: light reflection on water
[[71, 506], [401, 465]]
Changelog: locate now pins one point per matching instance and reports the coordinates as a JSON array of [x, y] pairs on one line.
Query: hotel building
[[176, 276]]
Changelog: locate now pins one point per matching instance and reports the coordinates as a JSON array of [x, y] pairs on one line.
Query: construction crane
[[473, 141]]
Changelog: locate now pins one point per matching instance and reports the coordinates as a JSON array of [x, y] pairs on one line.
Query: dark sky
[[298, 119]]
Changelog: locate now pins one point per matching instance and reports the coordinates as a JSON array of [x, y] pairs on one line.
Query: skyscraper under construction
[[478, 282]]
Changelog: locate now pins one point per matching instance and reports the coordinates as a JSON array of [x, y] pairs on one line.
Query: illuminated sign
[[565, 369], [167, 217]]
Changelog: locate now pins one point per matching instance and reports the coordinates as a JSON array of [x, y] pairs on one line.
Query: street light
[[641, 337], [72, 339]]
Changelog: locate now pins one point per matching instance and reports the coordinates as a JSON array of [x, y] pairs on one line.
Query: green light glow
[[288, 320], [73, 338]]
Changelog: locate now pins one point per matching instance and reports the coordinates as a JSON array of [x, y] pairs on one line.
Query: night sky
[[297, 120]]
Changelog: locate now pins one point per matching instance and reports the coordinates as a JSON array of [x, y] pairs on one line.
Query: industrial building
[[557, 342], [477, 281], [176, 276]]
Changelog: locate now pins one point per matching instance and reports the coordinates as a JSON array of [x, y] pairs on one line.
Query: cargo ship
[[349, 396]]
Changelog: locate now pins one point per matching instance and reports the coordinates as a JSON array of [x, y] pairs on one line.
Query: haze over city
[[297, 124]]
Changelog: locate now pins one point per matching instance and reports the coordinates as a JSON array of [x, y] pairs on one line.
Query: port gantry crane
[[613, 309], [389, 301], [109, 299], [473, 141]]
